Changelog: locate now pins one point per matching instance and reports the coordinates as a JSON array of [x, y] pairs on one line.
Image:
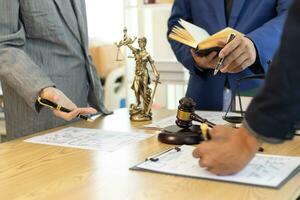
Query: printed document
[[92, 139]]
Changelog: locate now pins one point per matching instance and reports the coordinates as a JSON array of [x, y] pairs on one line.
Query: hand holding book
[[199, 39], [205, 62], [237, 55]]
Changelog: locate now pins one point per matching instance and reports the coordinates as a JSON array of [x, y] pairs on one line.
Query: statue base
[[140, 117], [138, 114], [178, 136]]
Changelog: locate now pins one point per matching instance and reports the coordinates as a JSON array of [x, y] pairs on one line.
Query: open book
[[199, 39]]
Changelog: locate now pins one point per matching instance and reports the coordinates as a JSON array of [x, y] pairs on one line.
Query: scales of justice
[[141, 111]]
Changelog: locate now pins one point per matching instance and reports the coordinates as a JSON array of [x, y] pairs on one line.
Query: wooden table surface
[[42, 172]]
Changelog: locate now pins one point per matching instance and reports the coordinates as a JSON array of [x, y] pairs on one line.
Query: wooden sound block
[[175, 135]]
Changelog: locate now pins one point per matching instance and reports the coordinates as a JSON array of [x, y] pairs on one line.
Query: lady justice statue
[[141, 111]]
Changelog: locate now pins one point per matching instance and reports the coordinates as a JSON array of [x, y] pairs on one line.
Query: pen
[[221, 60], [155, 158], [52, 105], [206, 136], [205, 131]]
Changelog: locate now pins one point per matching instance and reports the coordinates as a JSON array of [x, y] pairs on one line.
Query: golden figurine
[[143, 93]]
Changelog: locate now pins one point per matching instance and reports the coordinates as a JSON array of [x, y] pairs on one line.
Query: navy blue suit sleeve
[[274, 112], [267, 37], [181, 9]]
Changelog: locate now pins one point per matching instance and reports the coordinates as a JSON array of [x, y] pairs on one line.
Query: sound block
[[178, 136]]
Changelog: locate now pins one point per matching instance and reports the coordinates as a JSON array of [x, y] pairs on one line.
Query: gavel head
[[185, 109]]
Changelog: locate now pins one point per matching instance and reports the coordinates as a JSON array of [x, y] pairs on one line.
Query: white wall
[[105, 20]]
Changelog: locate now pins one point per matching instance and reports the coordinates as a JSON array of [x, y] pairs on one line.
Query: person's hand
[[239, 54], [228, 151], [207, 62], [58, 97]]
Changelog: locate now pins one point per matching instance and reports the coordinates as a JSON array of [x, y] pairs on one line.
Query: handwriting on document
[[263, 170]]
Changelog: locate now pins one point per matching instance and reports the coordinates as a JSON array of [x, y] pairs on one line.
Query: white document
[[263, 170], [92, 139], [212, 116]]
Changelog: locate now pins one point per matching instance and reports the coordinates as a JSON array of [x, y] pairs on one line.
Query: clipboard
[[264, 170]]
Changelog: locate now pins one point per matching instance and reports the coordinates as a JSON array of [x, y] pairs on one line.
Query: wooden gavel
[[186, 114]]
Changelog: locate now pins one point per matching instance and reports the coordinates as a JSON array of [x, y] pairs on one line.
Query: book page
[[92, 139], [212, 116], [198, 33], [263, 170]]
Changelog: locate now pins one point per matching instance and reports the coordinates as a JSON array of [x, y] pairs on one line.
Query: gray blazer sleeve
[[16, 67]]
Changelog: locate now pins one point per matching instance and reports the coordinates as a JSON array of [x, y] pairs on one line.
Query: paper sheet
[[213, 116], [263, 170], [92, 139]]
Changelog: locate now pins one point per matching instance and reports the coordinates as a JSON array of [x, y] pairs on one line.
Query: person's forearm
[[251, 141], [274, 112], [22, 74], [17, 69]]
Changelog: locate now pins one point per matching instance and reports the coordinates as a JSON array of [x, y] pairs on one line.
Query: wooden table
[[41, 172]]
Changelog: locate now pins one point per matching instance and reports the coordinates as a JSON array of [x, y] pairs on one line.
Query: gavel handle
[[197, 118]]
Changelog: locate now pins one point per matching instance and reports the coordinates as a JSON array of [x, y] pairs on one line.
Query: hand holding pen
[[221, 60], [61, 105], [227, 151], [205, 130]]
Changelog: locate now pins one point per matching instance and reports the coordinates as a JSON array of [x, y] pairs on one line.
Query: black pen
[[221, 60], [52, 105]]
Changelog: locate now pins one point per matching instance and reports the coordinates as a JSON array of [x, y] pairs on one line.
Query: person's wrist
[[252, 143], [197, 63], [253, 51], [200, 65], [49, 93]]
